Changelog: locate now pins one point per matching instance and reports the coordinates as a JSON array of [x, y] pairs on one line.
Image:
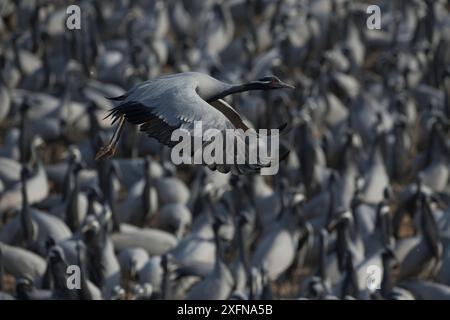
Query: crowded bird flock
[[360, 208]]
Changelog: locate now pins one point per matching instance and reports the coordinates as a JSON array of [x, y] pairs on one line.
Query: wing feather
[[230, 113]]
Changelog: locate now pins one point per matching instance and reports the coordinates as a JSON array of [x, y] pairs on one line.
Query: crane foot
[[106, 152]]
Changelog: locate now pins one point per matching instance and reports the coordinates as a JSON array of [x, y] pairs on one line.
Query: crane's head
[[272, 82]]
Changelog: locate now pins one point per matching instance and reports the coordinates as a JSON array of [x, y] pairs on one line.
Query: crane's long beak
[[285, 85]]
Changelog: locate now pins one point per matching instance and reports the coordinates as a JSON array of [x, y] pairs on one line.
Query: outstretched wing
[[168, 103]]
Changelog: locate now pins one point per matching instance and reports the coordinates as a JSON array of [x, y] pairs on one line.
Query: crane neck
[[67, 183], [218, 247], [429, 229], [72, 204], [165, 284], [241, 248], [323, 256], [111, 197], [243, 257], [84, 293], [387, 279], [26, 221], [147, 198], [55, 271], [231, 89], [350, 286]]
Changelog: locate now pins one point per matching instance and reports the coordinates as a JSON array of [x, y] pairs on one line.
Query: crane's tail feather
[[116, 112]]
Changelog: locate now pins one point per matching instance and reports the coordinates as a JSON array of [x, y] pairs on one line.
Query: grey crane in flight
[[177, 101]]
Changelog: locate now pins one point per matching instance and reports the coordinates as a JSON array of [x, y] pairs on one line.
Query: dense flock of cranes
[[360, 208]]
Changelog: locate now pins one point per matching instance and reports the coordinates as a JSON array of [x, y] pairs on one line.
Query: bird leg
[[109, 149]]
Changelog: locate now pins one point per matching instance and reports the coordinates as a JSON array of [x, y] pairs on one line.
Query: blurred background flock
[[360, 209]]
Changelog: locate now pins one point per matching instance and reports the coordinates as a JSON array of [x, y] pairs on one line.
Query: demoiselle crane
[[175, 101]]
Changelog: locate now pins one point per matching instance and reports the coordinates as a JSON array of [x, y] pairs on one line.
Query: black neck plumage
[[255, 85]]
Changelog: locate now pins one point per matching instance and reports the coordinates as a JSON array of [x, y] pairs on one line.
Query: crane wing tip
[[118, 98]]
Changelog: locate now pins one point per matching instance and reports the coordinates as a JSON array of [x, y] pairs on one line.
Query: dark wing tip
[[282, 127], [285, 155], [285, 129], [118, 98]]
